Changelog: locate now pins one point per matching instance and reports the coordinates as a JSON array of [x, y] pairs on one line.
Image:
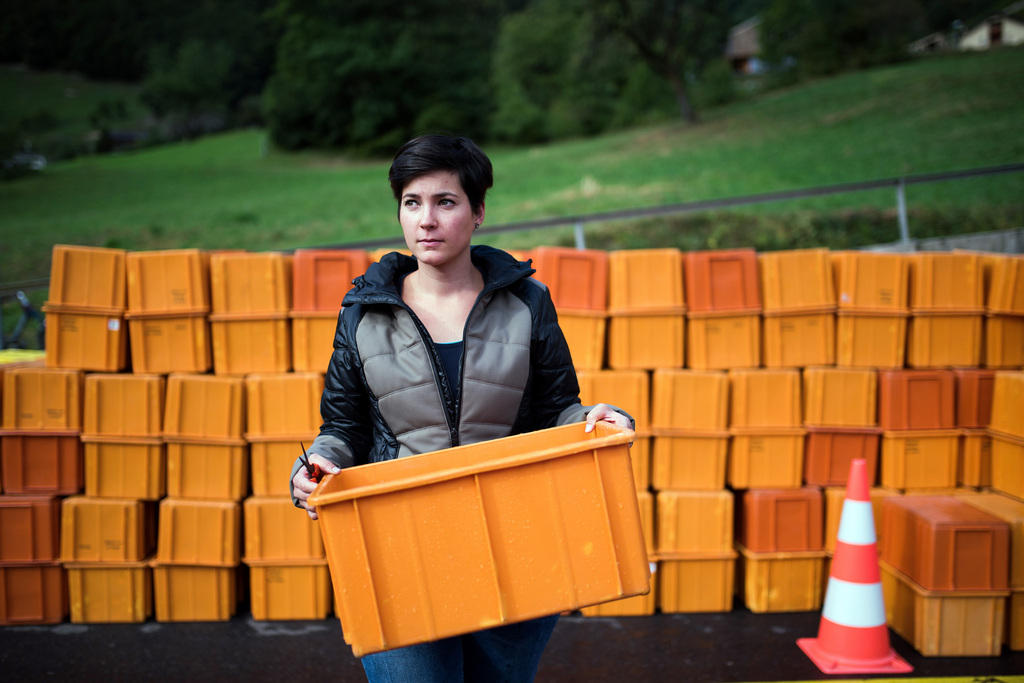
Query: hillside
[[931, 115]]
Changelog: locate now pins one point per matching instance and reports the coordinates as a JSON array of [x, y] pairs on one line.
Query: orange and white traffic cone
[[852, 636]]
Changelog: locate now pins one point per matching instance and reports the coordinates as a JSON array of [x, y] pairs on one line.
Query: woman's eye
[[410, 202]]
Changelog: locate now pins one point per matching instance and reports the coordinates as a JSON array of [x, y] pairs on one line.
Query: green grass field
[[939, 114]]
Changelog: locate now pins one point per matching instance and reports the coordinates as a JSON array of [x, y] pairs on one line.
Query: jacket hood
[[380, 283]]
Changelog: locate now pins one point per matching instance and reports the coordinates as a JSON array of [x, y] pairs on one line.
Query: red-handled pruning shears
[[312, 469]]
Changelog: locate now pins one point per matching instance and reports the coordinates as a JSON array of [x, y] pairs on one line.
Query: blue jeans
[[505, 653]]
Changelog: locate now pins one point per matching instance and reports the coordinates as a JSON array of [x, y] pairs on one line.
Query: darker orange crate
[[797, 281], [252, 344], [123, 405], [627, 389], [840, 397], [764, 398], [42, 399], [85, 340], [33, 593], [1004, 341], [283, 404], [648, 280], [974, 397], [295, 590], [312, 340], [946, 544], [916, 399], [766, 458], [925, 459], [207, 471], [694, 521], [975, 468], [868, 340], [201, 407], [41, 464], [829, 451], [796, 340], [168, 282], [690, 399], [696, 582], [576, 278], [29, 528], [781, 582], [946, 281], [189, 593], [106, 593], [170, 344], [1005, 284], [646, 341], [87, 277], [116, 468], [782, 520], [320, 277], [106, 529], [1007, 464], [274, 532], [871, 281], [246, 284], [941, 341], [1010, 511], [585, 334], [197, 533], [694, 462], [723, 341], [719, 281]]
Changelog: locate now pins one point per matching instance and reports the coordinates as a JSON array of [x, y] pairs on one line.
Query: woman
[[454, 346]]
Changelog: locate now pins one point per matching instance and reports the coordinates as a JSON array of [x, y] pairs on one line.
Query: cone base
[[831, 664]]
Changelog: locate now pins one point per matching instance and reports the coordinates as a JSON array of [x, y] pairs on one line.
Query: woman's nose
[[427, 216]]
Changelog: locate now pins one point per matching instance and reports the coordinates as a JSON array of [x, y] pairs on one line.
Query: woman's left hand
[[602, 412]]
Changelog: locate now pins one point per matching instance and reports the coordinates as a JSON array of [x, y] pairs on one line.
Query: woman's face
[[437, 219]]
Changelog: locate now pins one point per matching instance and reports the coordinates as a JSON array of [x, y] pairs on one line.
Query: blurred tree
[[188, 87]]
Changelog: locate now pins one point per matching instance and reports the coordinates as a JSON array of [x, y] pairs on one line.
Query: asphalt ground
[[731, 646]]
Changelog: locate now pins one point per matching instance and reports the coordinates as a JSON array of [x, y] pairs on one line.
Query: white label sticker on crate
[[114, 324]]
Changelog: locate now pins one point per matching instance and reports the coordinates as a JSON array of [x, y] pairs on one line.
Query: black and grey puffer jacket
[[385, 396]]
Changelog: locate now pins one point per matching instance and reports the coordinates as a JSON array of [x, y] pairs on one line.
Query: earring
[[476, 226]]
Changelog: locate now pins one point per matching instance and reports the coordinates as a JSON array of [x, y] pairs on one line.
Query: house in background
[[933, 42], [743, 48], [997, 30]]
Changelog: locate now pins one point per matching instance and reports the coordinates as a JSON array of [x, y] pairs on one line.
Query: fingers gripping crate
[[450, 542]]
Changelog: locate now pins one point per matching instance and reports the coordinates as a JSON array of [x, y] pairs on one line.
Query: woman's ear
[[478, 217]]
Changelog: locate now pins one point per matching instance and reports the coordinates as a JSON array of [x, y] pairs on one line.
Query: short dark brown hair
[[429, 153]]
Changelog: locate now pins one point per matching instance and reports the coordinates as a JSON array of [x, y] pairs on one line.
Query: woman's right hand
[[302, 485]]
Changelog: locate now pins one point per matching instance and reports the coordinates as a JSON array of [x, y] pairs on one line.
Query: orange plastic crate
[[377, 254], [840, 397], [938, 624], [975, 458], [281, 591], [170, 344], [199, 533], [247, 284], [781, 582], [636, 606], [186, 593], [796, 340], [645, 501], [694, 521], [246, 345], [125, 469], [490, 513], [1007, 464], [834, 499], [924, 459], [312, 340], [168, 282], [123, 405], [41, 463], [830, 450], [764, 398], [797, 281], [866, 340], [42, 399], [1008, 403], [916, 399], [645, 280], [1006, 284], [719, 281], [33, 594], [938, 341], [782, 520], [1014, 637], [646, 341], [691, 462], [689, 399], [763, 458], [110, 593], [585, 334], [576, 278], [320, 277], [720, 342], [80, 339], [283, 404], [203, 407], [1010, 511], [871, 281], [627, 389], [640, 456], [1004, 341], [270, 464], [275, 530], [207, 471], [946, 281], [29, 528], [87, 277], [974, 397], [696, 582], [106, 529]]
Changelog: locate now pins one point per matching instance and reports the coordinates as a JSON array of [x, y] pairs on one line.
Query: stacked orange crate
[[871, 328], [320, 278], [1007, 431], [199, 541], [251, 297], [288, 572], [85, 311], [168, 301], [799, 308], [767, 448], [920, 444], [577, 280], [647, 309], [1004, 308], [973, 413], [723, 309], [42, 460], [946, 302]]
